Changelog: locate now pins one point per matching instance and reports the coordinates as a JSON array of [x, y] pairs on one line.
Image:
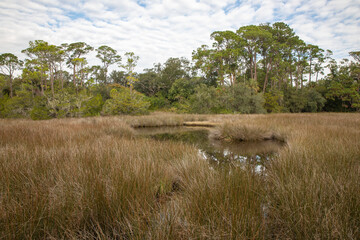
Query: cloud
[[158, 29]]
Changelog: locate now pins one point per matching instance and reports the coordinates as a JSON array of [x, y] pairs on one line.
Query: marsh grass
[[238, 131], [93, 178], [162, 119], [71, 178], [312, 186]]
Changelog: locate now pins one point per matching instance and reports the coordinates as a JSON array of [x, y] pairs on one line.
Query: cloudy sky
[[158, 29]]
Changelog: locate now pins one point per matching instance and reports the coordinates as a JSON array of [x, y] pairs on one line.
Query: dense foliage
[[253, 70]]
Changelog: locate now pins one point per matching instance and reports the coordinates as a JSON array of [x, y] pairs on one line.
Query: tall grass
[[312, 188], [240, 131], [94, 178], [162, 119], [79, 179]]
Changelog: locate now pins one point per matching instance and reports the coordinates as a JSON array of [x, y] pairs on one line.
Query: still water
[[251, 155]]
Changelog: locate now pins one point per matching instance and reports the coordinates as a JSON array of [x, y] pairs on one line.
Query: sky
[[156, 30]]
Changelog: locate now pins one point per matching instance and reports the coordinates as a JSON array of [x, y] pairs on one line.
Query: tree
[[286, 40], [355, 67], [9, 63], [170, 71], [45, 56], [74, 53], [314, 53], [205, 100], [32, 75], [149, 82], [355, 55], [131, 61], [206, 63], [341, 86], [108, 56], [229, 49], [300, 61], [253, 37], [118, 77], [53, 56], [269, 50], [59, 59], [125, 102], [182, 88]]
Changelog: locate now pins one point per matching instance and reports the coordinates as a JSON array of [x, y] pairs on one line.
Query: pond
[[252, 155]]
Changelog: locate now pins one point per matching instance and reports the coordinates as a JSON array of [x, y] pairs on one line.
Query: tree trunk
[[297, 78], [52, 80], [42, 83], [268, 69], [81, 77], [265, 81], [45, 83], [221, 75], [255, 67], [74, 79], [302, 77], [61, 77], [11, 86], [105, 73], [310, 71], [251, 65]]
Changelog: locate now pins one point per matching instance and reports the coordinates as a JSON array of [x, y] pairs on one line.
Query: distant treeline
[[257, 69]]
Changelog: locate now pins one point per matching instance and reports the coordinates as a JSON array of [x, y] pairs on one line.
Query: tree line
[[256, 69]]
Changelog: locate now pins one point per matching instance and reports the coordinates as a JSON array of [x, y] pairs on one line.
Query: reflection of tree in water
[[251, 156], [218, 157]]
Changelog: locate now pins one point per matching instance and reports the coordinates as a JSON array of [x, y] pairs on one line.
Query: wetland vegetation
[[255, 69], [85, 170], [86, 178]]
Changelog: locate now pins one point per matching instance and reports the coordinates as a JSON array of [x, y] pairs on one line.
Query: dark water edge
[[251, 155]]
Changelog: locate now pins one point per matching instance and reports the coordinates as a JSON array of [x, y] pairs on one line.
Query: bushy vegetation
[[125, 101], [94, 178], [256, 69], [237, 99]]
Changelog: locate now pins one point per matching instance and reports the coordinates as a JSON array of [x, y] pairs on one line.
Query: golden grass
[[200, 124], [162, 119], [238, 131], [312, 187], [94, 178]]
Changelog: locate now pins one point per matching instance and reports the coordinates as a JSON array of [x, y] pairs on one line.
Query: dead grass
[[162, 119], [93, 178], [240, 131]]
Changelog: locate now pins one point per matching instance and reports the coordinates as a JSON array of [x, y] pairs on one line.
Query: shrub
[[273, 101], [205, 100], [315, 102], [158, 102], [304, 100], [235, 99], [18, 106], [61, 104], [93, 106], [40, 111], [125, 102]]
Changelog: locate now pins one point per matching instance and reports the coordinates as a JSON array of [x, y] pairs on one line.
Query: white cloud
[[158, 29]]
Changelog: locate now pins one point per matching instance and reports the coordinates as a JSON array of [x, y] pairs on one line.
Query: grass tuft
[[93, 178], [238, 131]]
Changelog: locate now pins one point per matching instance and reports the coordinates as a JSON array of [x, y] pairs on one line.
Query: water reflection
[[252, 155]]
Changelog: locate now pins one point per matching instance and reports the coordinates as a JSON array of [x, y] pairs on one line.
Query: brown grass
[[162, 119], [240, 131], [93, 178]]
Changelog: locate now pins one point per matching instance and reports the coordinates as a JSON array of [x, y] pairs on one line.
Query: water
[[251, 155]]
